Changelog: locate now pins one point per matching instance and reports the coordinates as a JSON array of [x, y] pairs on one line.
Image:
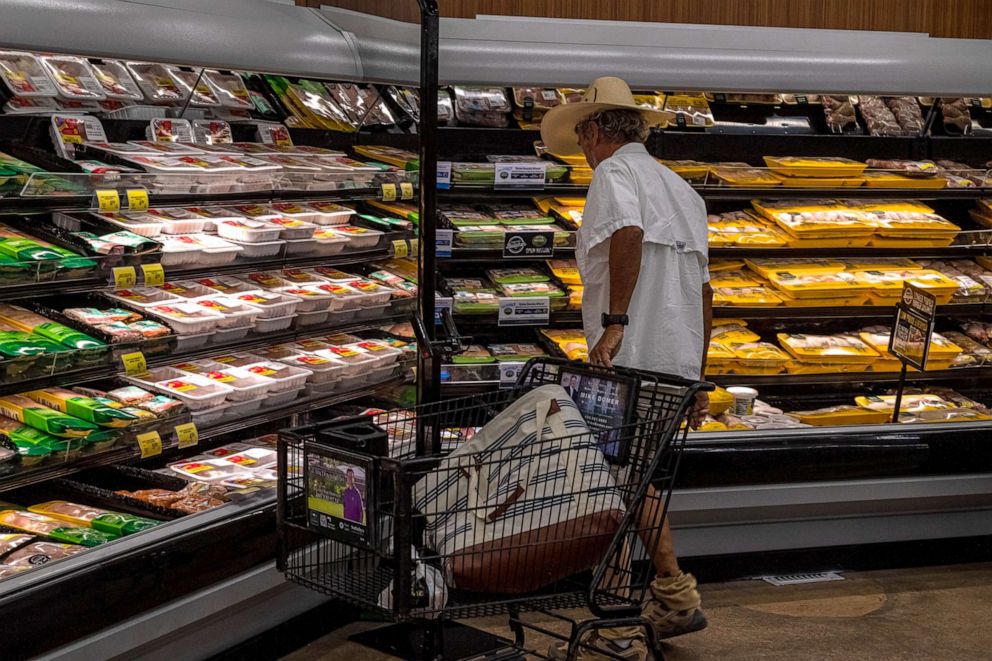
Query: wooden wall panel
[[970, 19]]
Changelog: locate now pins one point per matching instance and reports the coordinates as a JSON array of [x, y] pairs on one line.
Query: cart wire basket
[[403, 514]]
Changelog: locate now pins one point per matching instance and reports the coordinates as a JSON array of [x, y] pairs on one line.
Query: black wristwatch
[[615, 320]]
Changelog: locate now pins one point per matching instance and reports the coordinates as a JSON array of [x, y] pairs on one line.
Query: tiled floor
[[926, 613]]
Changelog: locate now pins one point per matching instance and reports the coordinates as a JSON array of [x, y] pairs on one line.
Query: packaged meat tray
[[176, 220], [742, 174], [234, 314], [270, 304], [325, 369], [906, 168], [817, 285], [515, 352], [140, 223], [156, 83], [84, 408], [751, 297], [53, 529], [195, 391], [248, 231], [229, 89], [886, 286], [759, 358], [112, 523], [844, 414], [375, 294], [359, 238], [73, 77], [311, 300], [828, 348], [814, 166], [330, 213], [244, 385], [740, 228], [116, 82], [343, 297], [382, 353], [209, 470], [285, 377], [25, 76], [194, 86], [186, 318]]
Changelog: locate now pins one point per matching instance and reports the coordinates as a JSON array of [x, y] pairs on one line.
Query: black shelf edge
[[467, 256], [759, 380], [474, 321], [50, 287], [304, 261], [840, 312]]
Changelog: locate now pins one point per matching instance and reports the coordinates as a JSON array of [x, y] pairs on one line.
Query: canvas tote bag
[[529, 500]]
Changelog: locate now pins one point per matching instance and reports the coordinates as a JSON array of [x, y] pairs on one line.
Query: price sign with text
[[125, 277], [150, 444], [912, 331], [520, 175], [107, 200], [187, 435], [524, 311]]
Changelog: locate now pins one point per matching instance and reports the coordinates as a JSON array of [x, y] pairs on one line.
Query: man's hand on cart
[[700, 409], [609, 344]]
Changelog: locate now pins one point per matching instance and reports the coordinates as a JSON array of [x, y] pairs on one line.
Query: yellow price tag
[[154, 274], [125, 277], [107, 200], [400, 249], [137, 199], [406, 191], [187, 435], [414, 248], [134, 363], [150, 444], [389, 192]]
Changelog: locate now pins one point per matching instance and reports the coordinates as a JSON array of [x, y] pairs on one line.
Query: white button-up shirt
[[631, 189]]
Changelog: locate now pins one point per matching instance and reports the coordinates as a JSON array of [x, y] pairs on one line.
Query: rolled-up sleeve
[[613, 195]]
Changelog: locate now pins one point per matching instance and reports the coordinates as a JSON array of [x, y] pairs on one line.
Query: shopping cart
[[385, 559]]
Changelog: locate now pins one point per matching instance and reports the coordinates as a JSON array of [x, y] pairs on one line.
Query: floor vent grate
[[798, 579]]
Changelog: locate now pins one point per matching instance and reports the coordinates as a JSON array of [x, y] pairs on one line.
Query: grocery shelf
[[900, 431], [960, 375], [50, 287], [949, 252], [841, 312], [108, 370], [489, 321], [130, 454], [779, 192], [236, 267], [468, 257]]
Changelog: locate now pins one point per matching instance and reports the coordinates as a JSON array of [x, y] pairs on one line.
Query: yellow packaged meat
[[565, 270], [821, 182], [828, 348], [911, 224], [717, 265], [740, 228], [742, 174], [719, 358], [735, 279], [686, 169], [817, 285], [823, 223], [910, 403], [814, 166], [801, 367], [844, 414], [942, 350], [751, 297], [764, 267], [733, 334], [852, 299], [879, 264], [885, 287], [759, 358], [893, 180]]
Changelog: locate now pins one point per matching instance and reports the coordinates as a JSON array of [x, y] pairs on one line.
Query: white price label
[[524, 311], [508, 374], [441, 303], [520, 175], [444, 174], [443, 240]]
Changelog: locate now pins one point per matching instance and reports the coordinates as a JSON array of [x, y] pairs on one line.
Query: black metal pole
[[902, 385], [428, 370]]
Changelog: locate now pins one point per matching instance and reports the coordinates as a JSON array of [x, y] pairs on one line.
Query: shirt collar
[[632, 148]]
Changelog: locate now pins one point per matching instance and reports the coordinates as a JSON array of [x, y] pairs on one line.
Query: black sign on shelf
[[913, 327], [912, 332], [528, 244]]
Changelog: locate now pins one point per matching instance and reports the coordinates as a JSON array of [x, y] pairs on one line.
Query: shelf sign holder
[[912, 333]]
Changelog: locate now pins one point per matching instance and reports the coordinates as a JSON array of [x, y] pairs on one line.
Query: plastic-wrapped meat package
[[445, 109], [379, 110], [230, 89], [192, 83], [878, 117], [536, 97], [906, 110], [979, 331], [407, 99], [482, 106], [957, 116], [839, 112]]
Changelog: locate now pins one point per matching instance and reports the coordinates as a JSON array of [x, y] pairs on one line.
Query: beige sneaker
[[674, 607], [629, 649]]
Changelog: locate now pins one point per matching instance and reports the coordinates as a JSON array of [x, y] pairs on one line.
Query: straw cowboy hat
[[607, 93]]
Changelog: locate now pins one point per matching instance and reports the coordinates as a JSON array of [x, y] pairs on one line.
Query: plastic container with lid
[[327, 243], [139, 223], [285, 377], [209, 470], [216, 251], [330, 213], [224, 284], [359, 238], [380, 351], [311, 299], [274, 324], [186, 289], [180, 250], [143, 297], [308, 319], [325, 368], [293, 228], [74, 78], [234, 313], [343, 297], [244, 385], [176, 220], [186, 318], [195, 391], [295, 211], [155, 82], [300, 247], [356, 361], [248, 230], [213, 215], [254, 250], [116, 82], [267, 280], [376, 294], [25, 75], [828, 348], [271, 304]]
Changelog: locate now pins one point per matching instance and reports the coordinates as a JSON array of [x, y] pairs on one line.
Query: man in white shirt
[[647, 303]]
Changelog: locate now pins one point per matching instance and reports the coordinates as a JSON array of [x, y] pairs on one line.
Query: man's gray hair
[[620, 125]]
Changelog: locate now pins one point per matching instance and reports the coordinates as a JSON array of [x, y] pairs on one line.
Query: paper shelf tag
[[125, 277], [134, 363], [187, 434], [154, 274], [107, 200], [400, 248], [137, 199], [389, 192], [406, 191], [444, 174], [150, 444], [443, 240], [524, 311]]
